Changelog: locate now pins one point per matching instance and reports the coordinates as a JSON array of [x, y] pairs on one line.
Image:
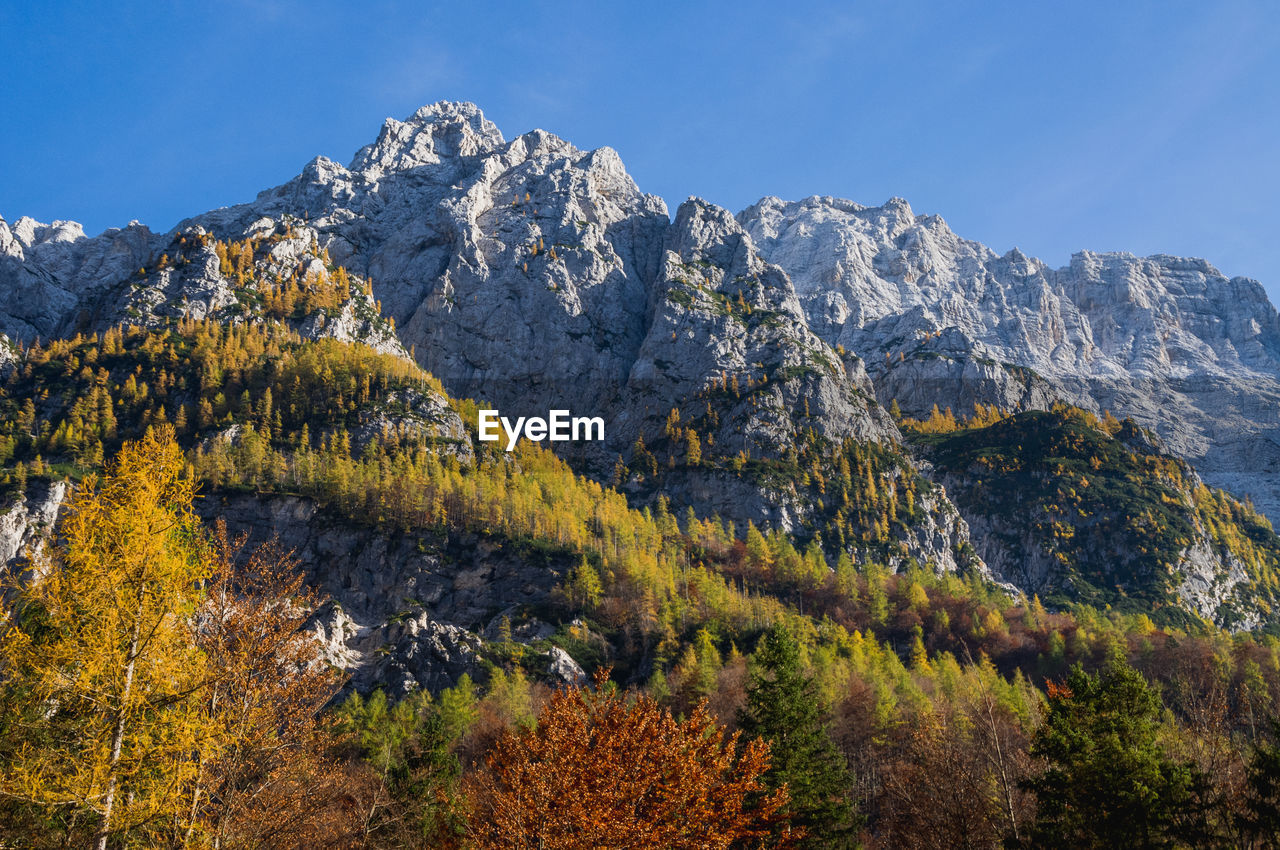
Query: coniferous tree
[[1262, 816], [1107, 782], [784, 708], [103, 643], [409, 745]]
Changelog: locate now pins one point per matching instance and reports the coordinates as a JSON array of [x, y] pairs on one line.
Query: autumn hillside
[[903, 664], [264, 586]]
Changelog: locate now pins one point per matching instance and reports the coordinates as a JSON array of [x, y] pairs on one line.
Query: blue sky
[[1146, 127]]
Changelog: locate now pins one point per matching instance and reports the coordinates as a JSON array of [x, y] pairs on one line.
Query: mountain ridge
[[736, 357]]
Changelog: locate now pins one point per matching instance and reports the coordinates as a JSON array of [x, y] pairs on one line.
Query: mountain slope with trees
[[886, 608]]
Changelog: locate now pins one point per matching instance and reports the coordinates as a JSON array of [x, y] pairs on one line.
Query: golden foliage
[[102, 637], [944, 422], [156, 693]]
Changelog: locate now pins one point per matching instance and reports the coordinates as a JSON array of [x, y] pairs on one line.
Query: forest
[[747, 687]]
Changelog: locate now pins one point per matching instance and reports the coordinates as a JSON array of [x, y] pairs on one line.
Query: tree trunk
[[117, 741], [1006, 783], [198, 790], [195, 803]]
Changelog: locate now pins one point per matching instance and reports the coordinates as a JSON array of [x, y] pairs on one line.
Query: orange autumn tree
[[273, 783], [600, 770]]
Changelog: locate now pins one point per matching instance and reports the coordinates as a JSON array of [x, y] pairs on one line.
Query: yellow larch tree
[[99, 638]]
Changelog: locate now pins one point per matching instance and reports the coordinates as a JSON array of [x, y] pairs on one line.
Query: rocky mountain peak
[[443, 130], [511, 265], [30, 232], [708, 233], [9, 244], [730, 355]]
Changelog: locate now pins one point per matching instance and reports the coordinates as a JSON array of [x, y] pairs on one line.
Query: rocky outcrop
[[941, 542], [27, 523], [563, 669], [404, 609], [48, 271], [721, 312], [721, 316], [534, 275], [1209, 580], [1070, 508], [1213, 579], [1172, 342], [416, 416], [60, 282]]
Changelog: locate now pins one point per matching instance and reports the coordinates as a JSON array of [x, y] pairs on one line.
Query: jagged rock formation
[[48, 271], [55, 282], [940, 319], [404, 610], [516, 269], [533, 275], [721, 313]]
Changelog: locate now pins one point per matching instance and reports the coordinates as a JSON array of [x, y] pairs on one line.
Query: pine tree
[[1107, 782], [877, 598], [1262, 816], [847, 577], [784, 708], [708, 664], [758, 553], [584, 584], [693, 449]]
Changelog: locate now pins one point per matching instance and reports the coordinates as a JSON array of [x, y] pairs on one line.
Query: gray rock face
[[56, 282], [533, 275], [940, 540], [720, 313], [25, 525], [516, 270], [405, 609], [700, 334], [1213, 579], [47, 271], [1172, 342], [1213, 582], [563, 669], [415, 415]]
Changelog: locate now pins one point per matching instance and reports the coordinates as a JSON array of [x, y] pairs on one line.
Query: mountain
[[745, 367], [1075, 508], [1171, 342]]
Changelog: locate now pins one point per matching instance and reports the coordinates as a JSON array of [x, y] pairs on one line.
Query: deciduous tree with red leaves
[[604, 770]]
